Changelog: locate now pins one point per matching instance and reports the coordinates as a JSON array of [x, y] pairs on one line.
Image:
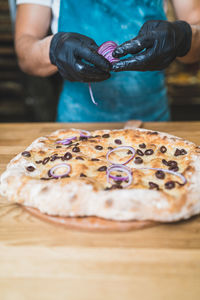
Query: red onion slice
[[167, 171], [91, 94], [66, 141], [85, 133], [63, 165], [120, 168], [106, 50], [121, 148], [116, 178]]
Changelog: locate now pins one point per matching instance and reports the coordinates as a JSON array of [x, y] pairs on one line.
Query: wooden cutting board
[[41, 261]]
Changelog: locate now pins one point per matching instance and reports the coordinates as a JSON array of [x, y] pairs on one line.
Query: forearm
[[33, 55], [189, 11], [194, 53]]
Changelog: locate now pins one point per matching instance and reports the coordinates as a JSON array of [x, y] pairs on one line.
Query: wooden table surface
[[42, 261]]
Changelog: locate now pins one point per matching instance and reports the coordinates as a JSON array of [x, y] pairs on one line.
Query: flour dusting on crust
[[86, 191]]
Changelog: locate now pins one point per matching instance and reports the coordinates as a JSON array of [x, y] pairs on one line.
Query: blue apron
[[126, 95]]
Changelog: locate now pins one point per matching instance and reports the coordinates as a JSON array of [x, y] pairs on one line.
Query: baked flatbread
[[120, 175]]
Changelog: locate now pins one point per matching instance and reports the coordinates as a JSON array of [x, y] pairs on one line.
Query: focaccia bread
[[113, 174]]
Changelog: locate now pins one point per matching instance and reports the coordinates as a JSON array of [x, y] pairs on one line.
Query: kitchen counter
[[39, 260]]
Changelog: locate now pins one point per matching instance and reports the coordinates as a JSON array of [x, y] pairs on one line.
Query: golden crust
[[91, 156]]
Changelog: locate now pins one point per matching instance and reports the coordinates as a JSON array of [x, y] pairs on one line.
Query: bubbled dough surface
[[80, 196]]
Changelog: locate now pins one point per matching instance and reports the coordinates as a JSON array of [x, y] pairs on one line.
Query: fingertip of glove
[[117, 53], [115, 67]]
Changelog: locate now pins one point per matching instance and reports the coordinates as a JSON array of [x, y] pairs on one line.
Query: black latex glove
[[161, 42], [77, 59]]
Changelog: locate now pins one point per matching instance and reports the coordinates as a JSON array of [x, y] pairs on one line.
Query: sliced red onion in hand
[[63, 165], [121, 148], [167, 171], [85, 133], [66, 141], [120, 168], [106, 50]]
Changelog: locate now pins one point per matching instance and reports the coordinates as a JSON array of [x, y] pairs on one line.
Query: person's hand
[[76, 58], [156, 46]]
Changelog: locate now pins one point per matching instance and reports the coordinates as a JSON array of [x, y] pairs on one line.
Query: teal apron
[[126, 95]]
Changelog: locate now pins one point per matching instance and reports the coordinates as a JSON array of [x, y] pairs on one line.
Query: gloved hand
[[160, 42], [77, 59]]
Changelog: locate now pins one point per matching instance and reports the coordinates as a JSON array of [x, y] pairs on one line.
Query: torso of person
[[126, 95]]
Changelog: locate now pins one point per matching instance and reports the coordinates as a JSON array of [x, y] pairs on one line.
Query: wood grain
[[41, 261]]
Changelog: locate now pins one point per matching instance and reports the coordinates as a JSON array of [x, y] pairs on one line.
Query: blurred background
[[25, 98]]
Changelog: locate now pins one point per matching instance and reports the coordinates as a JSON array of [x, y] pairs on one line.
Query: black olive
[[45, 160], [174, 169], [38, 161], [118, 142], [26, 154], [183, 152], [67, 156], [160, 174], [101, 169], [153, 185], [138, 160], [165, 162], [82, 175], [116, 186], [54, 157], [172, 163], [143, 146], [163, 149], [30, 168], [148, 152], [106, 135], [76, 149], [139, 152], [83, 138], [98, 147], [177, 152], [169, 185], [49, 173]]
